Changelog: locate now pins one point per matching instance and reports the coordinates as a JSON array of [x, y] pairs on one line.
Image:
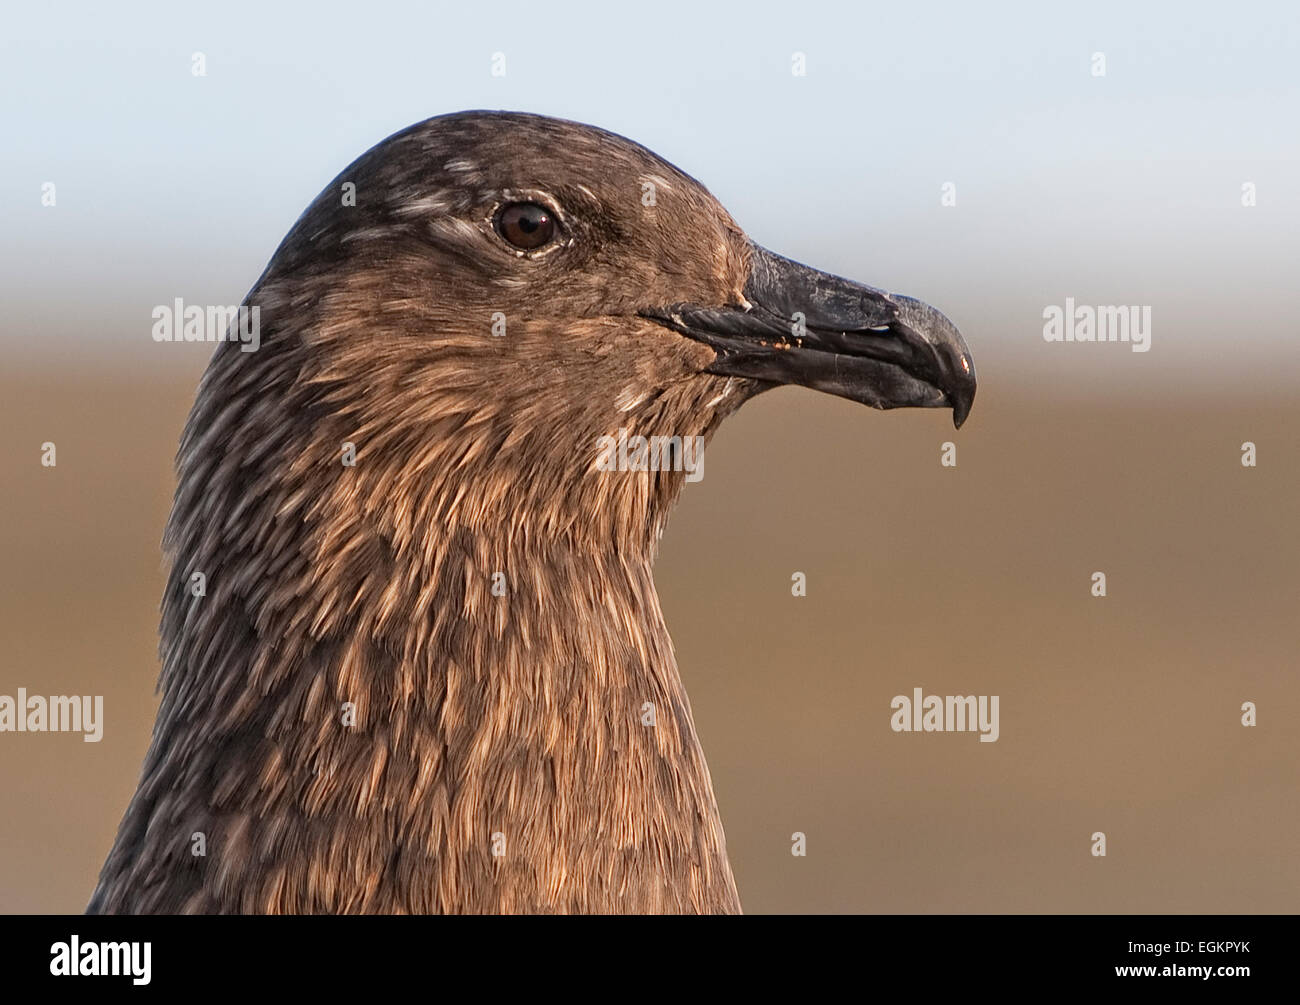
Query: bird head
[[505, 292], [397, 500]]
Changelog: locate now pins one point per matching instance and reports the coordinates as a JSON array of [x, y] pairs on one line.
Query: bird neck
[[363, 711]]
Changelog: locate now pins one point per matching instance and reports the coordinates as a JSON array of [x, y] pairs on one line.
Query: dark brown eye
[[526, 225]]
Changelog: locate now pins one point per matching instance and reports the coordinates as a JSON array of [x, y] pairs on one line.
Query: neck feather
[[387, 700]]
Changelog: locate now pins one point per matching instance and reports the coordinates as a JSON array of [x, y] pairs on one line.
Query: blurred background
[[1118, 714]]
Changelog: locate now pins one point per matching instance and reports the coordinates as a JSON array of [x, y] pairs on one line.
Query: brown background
[[1118, 714]]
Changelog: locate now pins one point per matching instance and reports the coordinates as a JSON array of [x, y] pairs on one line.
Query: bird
[[427, 671]]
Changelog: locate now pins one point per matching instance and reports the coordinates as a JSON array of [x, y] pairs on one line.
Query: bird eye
[[526, 225]]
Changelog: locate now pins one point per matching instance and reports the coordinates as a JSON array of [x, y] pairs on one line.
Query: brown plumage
[[498, 760]]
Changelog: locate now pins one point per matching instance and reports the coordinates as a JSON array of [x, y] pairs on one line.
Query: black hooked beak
[[801, 326]]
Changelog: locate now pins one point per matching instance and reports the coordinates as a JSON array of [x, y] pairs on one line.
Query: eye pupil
[[526, 225]]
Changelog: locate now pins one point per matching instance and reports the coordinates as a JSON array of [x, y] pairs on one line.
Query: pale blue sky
[[1122, 189]]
